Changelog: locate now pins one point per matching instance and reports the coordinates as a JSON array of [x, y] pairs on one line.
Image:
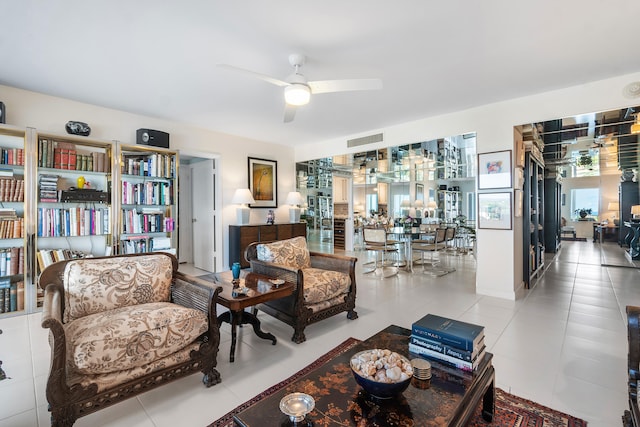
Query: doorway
[[200, 234]]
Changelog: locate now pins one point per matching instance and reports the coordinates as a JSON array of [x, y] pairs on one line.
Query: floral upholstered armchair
[[122, 325], [325, 283]]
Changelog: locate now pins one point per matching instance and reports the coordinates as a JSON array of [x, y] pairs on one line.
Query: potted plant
[[583, 212]]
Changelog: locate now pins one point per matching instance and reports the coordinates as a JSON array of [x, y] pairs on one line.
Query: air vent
[[364, 140]]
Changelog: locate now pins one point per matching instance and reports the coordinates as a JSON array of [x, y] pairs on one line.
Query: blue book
[[461, 335], [465, 355]]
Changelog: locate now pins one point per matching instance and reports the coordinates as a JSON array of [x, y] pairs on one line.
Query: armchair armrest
[[189, 291], [341, 263], [277, 271]]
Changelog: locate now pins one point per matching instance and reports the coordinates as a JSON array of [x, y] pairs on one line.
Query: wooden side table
[[260, 290]]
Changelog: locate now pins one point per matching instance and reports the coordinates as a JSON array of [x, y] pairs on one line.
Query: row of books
[[11, 226], [46, 257], [143, 244], [78, 221], [450, 341], [157, 165], [11, 190], [12, 156], [146, 221], [63, 155], [11, 296], [147, 193], [11, 261]]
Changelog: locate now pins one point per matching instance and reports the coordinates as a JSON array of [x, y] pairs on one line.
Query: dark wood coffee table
[[448, 399], [260, 290]]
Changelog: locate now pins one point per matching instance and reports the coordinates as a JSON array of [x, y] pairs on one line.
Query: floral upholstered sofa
[[122, 325], [325, 283]]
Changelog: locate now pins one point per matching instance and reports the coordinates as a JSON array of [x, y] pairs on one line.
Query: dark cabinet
[[629, 195], [533, 214], [338, 233], [241, 236]]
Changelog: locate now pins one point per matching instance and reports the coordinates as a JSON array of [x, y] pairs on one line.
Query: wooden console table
[[241, 236]]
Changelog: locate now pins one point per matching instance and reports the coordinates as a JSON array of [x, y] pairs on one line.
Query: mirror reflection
[[594, 160], [427, 182]]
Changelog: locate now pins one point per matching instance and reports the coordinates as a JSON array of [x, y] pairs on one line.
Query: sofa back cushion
[[290, 252], [96, 285]]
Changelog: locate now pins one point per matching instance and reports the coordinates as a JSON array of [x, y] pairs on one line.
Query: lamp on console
[[419, 205], [615, 207], [294, 199], [242, 197], [635, 212], [431, 207]]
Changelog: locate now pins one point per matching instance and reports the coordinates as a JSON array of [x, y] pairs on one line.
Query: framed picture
[[420, 192], [494, 210], [310, 202], [263, 182], [494, 170]]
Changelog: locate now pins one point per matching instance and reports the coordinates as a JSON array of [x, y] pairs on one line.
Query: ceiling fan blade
[[326, 86], [264, 77], [289, 112]]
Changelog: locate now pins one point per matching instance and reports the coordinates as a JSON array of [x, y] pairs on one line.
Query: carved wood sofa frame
[[68, 403], [292, 310]]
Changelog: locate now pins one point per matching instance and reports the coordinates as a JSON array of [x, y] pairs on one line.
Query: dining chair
[[375, 239], [432, 244]]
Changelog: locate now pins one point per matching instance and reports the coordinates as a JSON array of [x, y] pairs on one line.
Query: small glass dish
[[276, 282], [297, 405]]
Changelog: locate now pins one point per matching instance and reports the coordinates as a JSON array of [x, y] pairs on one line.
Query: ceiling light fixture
[[297, 94]]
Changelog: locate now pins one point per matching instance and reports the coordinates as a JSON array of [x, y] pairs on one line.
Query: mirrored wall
[[428, 181], [595, 159]]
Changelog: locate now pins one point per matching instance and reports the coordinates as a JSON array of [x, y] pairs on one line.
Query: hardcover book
[[465, 355], [461, 335]]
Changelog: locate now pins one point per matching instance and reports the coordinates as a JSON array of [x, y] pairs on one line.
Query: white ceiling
[[158, 58]]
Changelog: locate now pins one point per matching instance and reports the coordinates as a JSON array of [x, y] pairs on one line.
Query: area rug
[[510, 410]]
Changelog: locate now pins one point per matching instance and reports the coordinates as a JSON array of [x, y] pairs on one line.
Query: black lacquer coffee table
[[448, 399]]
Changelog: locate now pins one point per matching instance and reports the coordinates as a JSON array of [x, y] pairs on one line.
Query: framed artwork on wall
[[494, 170], [494, 210], [420, 192], [263, 182]]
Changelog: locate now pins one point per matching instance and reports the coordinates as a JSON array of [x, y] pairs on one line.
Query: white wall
[[47, 113], [499, 276]]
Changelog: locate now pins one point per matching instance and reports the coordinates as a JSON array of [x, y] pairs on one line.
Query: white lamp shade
[[242, 196], [635, 210], [297, 94], [613, 206], [432, 205], [294, 198], [405, 203], [418, 204]]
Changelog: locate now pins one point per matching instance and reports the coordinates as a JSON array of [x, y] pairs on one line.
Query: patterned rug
[[510, 410]]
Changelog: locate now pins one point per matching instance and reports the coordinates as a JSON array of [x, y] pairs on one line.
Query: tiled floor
[[563, 345]]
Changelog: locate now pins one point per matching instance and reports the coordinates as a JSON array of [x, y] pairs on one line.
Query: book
[[465, 355], [452, 361], [461, 335]]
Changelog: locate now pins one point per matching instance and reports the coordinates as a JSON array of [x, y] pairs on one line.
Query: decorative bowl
[[297, 405], [382, 390]]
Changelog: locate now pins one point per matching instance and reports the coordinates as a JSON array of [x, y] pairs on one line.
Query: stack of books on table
[[450, 341]]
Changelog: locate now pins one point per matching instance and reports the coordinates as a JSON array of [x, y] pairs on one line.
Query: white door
[[204, 215]]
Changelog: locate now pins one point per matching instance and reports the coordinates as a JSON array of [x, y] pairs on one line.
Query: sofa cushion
[[290, 252], [131, 336], [323, 285], [96, 285]]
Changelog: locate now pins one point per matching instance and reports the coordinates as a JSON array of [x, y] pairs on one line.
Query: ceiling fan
[[298, 90]]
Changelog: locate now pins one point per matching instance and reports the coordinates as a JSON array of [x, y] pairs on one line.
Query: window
[[585, 198]]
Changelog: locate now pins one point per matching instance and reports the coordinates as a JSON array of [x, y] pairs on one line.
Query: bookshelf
[[73, 213], [148, 199], [533, 218], [13, 292]]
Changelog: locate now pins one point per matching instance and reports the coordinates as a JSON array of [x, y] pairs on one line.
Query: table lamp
[[431, 207], [242, 197], [635, 212], [294, 199], [615, 207], [419, 205]]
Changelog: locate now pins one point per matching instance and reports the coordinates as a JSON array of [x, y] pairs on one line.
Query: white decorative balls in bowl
[[381, 373]]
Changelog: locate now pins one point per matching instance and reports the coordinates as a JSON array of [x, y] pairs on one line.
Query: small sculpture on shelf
[[270, 217], [77, 128]]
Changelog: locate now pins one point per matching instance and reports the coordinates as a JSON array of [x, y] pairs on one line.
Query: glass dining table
[[408, 235]]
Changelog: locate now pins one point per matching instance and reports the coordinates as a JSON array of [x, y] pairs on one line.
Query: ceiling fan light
[[297, 94]]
